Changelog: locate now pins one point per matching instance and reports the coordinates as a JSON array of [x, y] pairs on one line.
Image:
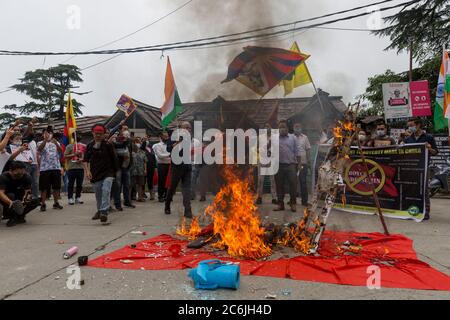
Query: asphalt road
[[32, 267]]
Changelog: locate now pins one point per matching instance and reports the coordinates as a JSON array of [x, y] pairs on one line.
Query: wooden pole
[[372, 187], [410, 62]]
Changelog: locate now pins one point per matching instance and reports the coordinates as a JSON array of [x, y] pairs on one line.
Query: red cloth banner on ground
[[394, 255]]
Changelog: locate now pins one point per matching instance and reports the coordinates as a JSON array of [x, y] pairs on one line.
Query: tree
[[422, 26], [47, 88]]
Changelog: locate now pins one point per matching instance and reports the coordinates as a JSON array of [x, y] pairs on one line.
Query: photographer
[[15, 194], [50, 168]]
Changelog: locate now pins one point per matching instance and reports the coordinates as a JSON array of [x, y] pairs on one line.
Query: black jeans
[[180, 173], [287, 174], [149, 178], [163, 170], [75, 176], [303, 185], [9, 213]]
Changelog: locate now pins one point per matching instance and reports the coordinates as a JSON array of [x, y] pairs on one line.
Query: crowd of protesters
[[122, 168]]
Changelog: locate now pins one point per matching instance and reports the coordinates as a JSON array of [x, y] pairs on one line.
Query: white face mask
[[138, 145], [362, 137], [126, 134]]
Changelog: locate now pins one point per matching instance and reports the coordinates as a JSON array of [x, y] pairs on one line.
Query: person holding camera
[[50, 168], [15, 194]]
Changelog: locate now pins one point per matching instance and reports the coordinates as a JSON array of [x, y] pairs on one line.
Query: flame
[[193, 231], [296, 236], [235, 219]]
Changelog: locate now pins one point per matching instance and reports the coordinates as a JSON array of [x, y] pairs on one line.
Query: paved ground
[[31, 264]]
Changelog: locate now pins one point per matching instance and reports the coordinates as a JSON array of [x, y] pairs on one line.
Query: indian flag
[[441, 107], [172, 105]]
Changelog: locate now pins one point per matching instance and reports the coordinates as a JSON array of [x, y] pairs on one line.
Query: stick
[[372, 187]]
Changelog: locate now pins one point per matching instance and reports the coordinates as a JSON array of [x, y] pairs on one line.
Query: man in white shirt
[[305, 156], [163, 162]]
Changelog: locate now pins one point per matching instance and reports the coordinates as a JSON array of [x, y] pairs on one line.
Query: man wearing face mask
[[123, 146], [305, 156], [290, 162], [182, 172], [419, 136], [382, 139], [163, 164], [15, 194], [100, 166]]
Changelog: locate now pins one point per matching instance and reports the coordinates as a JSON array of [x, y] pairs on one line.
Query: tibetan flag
[[70, 124], [441, 106], [261, 69], [172, 104], [299, 77], [126, 104]]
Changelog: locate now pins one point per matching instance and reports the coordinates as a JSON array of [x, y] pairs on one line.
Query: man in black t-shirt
[[15, 194], [100, 165]]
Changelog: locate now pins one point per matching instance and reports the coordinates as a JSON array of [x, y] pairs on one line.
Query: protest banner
[[399, 174], [444, 150], [396, 100], [420, 99]]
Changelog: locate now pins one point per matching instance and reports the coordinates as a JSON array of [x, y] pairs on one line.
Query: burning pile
[[236, 225]]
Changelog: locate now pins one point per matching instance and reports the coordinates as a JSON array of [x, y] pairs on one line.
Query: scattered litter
[[126, 261], [81, 282], [61, 242], [142, 233], [286, 292], [159, 244], [142, 268], [70, 253], [270, 296], [100, 248], [133, 246], [57, 277], [82, 260], [52, 297], [214, 274]]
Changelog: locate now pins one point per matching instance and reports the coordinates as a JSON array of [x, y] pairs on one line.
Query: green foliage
[[47, 88], [423, 26]]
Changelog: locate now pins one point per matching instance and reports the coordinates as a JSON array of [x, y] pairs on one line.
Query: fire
[[296, 236], [235, 219], [193, 231]]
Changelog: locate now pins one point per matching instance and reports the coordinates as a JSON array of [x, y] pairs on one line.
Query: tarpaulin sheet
[[394, 255]]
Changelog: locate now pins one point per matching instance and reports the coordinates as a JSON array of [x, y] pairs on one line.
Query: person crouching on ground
[[138, 169], [100, 165], [15, 194]]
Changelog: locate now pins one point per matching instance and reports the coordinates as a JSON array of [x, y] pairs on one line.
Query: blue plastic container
[[214, 274]]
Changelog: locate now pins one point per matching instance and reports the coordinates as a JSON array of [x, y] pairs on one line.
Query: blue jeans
[[33, 171], [103, 194], [122, 184]]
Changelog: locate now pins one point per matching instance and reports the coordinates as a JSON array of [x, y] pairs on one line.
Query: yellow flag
[[301, 75]]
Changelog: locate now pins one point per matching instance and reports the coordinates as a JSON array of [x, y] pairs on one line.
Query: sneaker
[[119, 208], [202, 199], [78, 201], [11, 222], [71, 202], [129, 205], [167, 210], [259, 200], [96, 216], [57, 206], [103, 217], [43, 207], [274, 201]]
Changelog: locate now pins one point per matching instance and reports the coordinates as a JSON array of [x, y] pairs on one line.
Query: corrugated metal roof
[[84, 124]]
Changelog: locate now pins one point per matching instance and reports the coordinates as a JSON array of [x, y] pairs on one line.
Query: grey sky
[[340, 62]]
